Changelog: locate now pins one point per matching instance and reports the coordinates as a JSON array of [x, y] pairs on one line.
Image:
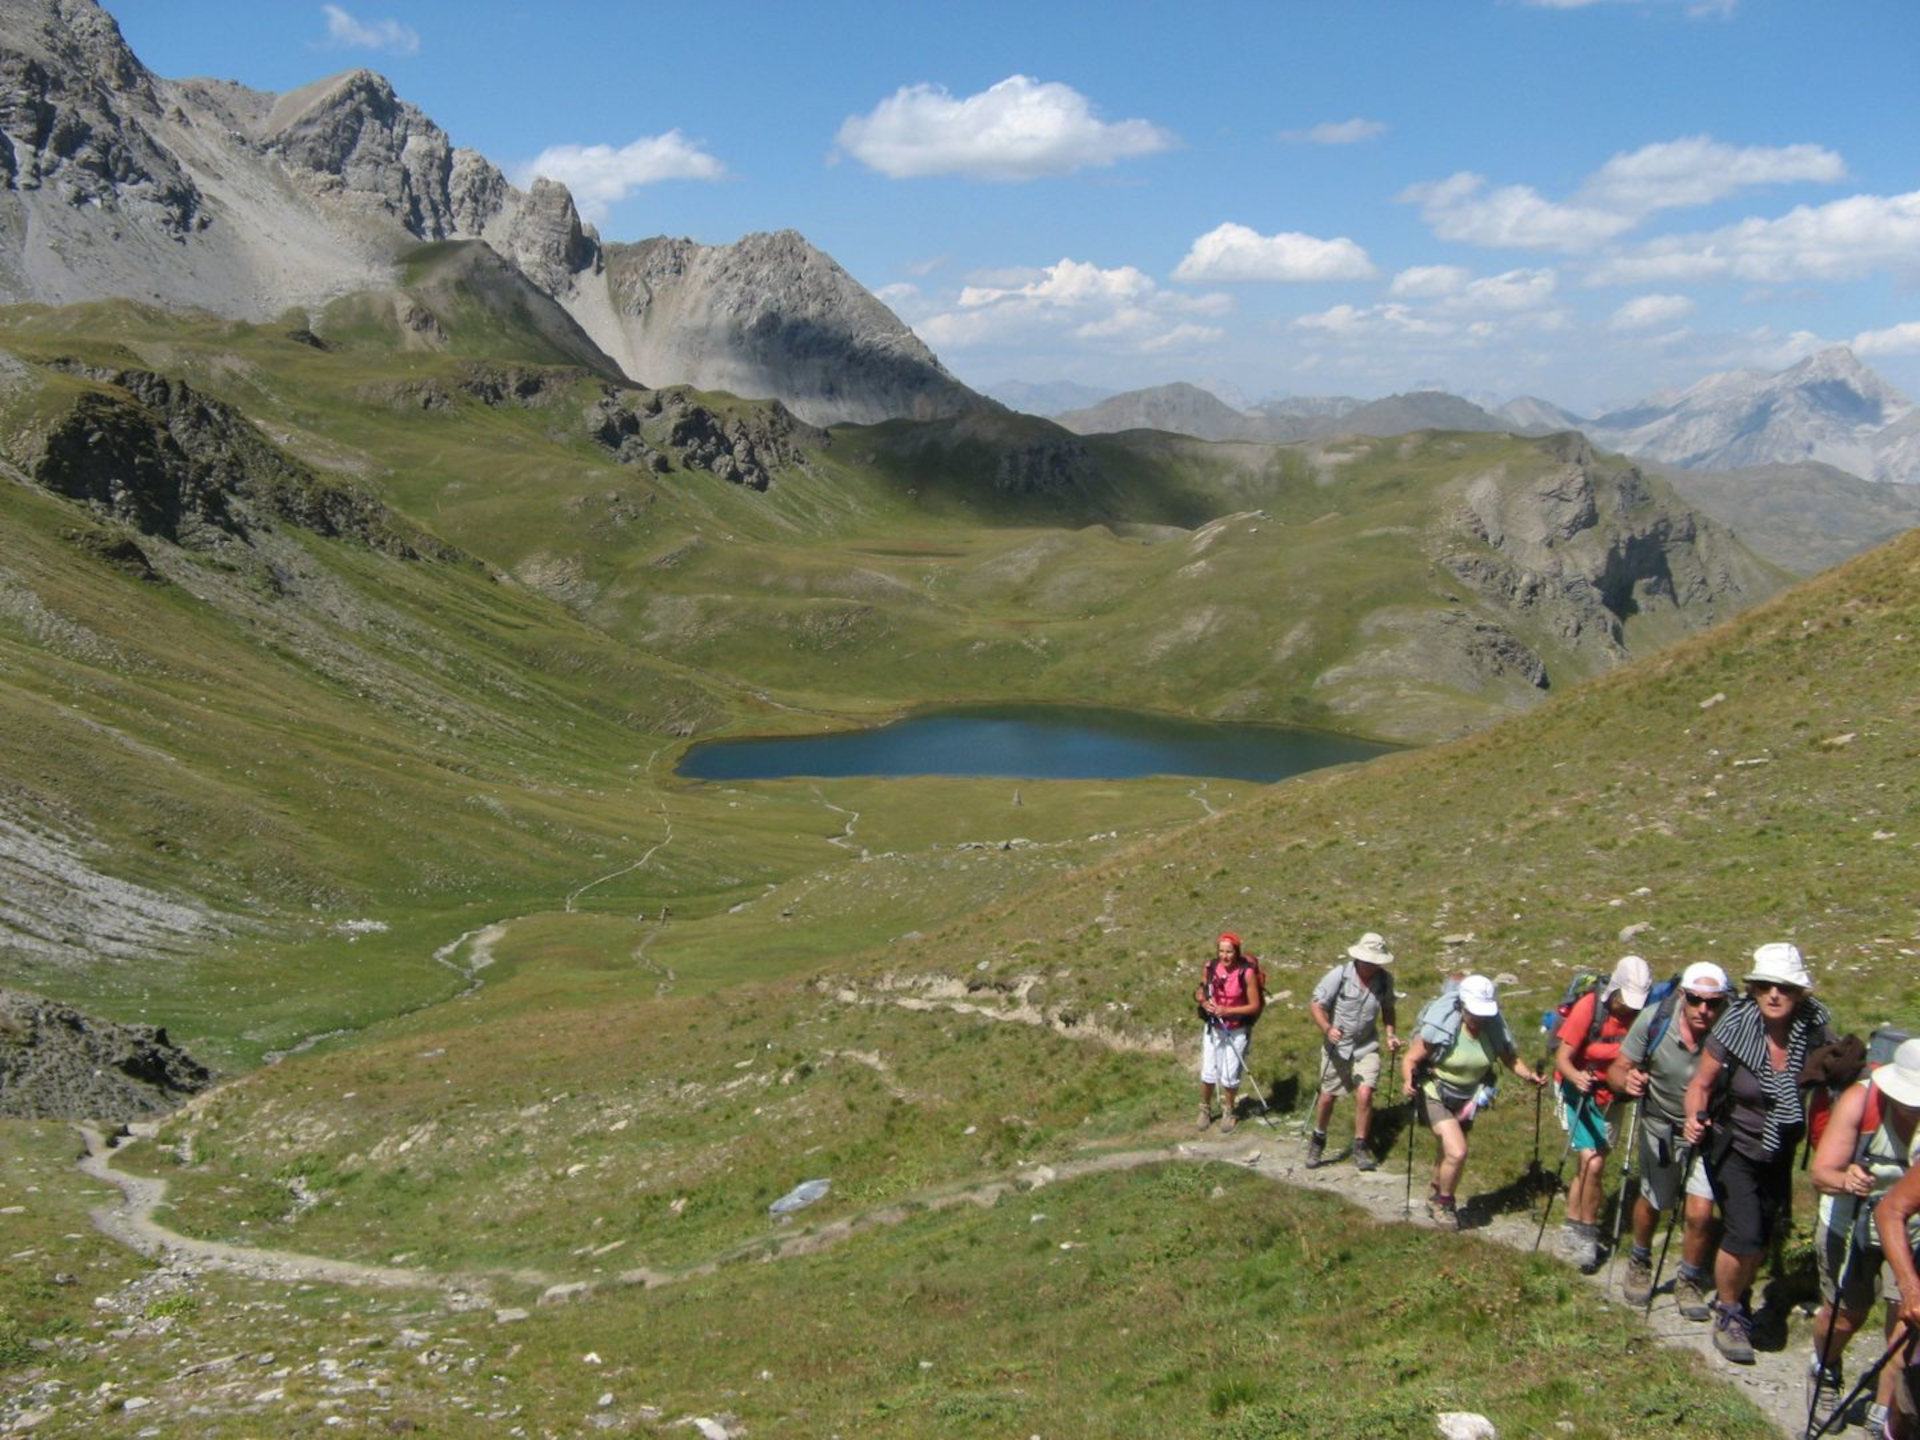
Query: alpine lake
[[1033, 742]]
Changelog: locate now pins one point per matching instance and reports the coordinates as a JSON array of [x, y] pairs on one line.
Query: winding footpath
[[1272, 1150]]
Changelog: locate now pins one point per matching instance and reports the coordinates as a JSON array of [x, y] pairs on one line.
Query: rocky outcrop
[[1582, 547], [59, 1064], [151, 453], [74, 107], [654, 428]]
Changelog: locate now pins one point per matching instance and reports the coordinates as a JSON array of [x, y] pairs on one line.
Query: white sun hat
[[1781, 963], [1372, 949], [1899, 1078]]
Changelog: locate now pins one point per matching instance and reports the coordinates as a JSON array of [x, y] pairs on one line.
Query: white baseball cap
[[1703, 977], [1476, 995]]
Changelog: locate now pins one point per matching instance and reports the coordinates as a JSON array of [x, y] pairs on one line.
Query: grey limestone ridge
[[117, 183], [59, 1064], [773, 316]]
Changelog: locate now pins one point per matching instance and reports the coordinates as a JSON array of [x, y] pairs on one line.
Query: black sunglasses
[[1760, 987], [1716, 1002]]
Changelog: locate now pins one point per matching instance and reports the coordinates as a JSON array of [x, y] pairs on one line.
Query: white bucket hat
[[1632, 980], [1899, 1078], [1781, 963], [1372, 949], [1476, 995]]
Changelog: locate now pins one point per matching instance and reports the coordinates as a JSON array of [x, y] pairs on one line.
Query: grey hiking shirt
[[1354, 1009]]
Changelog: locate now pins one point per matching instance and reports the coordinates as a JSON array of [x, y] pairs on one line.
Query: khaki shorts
[[1344, 1076]]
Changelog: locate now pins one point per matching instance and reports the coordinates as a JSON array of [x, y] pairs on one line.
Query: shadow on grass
[[1523, 1192]]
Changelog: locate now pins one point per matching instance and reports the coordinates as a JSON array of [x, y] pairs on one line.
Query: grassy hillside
[[373, 765]]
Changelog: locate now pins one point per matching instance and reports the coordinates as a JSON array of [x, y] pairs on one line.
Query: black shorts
[[1754, 1197]]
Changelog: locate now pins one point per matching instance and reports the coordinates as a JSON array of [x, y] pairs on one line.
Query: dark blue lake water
[[1033, 742]]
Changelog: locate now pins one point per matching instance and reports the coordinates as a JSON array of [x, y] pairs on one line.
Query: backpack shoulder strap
[[1662, 1018]]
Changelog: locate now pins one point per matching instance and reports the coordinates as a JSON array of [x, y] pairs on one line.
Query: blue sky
[[1585, 200]]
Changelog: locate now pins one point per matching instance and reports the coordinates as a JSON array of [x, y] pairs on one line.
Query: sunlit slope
[[1758, 782], [315, 628]]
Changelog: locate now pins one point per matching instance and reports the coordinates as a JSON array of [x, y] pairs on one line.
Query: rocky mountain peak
[[769, 317], [207, 194], [1829, 408]]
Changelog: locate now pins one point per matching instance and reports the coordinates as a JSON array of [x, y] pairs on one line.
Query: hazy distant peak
[[1829, 408]]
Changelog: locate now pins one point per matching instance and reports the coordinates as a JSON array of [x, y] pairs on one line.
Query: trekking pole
[[1565, 1155], [1413, 1124], [1840, 1279], [1534, 1173], [1905, 1340], [1679, 1205], [1629, 1178]]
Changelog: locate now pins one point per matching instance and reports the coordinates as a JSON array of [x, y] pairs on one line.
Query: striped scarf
[[1743, 1033]]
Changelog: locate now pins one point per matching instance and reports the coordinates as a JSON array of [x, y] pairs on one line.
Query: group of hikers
[[1717, 1088]]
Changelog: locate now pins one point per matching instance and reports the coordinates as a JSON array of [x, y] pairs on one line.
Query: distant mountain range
[[1829, 409], [116, 183]]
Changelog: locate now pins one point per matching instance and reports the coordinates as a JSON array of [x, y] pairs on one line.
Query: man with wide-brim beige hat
[[1352, 1005], [1870, 1140]]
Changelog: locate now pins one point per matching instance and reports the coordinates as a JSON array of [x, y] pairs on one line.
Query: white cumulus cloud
[[1337, 132], [1430, 282], [1694, 170], [1697, 170], [388, 35], [600, 176], [1895, 340], [1079, 302], [1020, 129], [1846, 239], [1232, 253], [1463, 209], [1648, 312]]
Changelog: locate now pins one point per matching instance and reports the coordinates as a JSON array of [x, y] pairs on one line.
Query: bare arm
[[1324, 1021], [1520, 1069], [1833, 1171], [1564, 1066], [1411, 1061], [1699, 1090], [1891, 1215]]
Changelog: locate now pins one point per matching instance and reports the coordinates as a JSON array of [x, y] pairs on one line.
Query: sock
[[1643, 1253], [1693, 1273], [1320, 1136]]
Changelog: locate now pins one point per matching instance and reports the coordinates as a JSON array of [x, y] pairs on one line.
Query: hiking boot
[[1582, 1244], [1363, 1158], [1733, 1333], [1442, 1213], [1229, 1123], [1316, 1149], [1206, 1117], [1876, 1422], [1638, 1286], [1824, 1389], [1690, 1299]]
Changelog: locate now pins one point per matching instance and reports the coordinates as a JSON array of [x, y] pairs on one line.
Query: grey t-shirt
[[1354, 1009], [1670, 1069]]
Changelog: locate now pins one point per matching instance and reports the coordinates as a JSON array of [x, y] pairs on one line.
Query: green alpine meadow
[[396, 1037], [357, 772]]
